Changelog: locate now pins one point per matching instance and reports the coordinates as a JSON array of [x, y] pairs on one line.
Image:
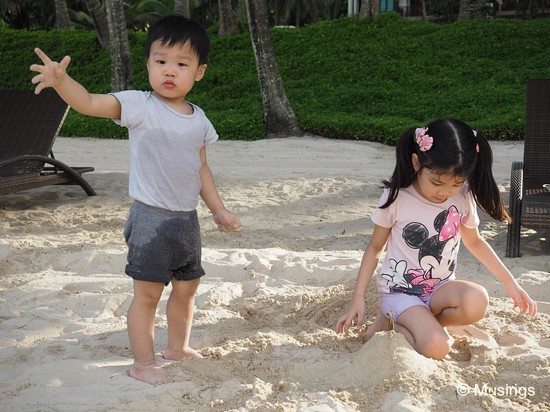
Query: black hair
[[176, 29], [457, 150]]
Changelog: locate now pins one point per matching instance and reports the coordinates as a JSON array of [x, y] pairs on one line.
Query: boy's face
[[173, 70]]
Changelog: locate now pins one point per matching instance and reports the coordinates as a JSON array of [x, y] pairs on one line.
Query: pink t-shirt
[[425, 237]]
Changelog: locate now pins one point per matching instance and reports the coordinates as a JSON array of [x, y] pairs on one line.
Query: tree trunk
[[181, 7], [228, 19], [62, 20], [280, 120], [100, 22], [369, 8], [464, 12], [121, 70], [424, 14]]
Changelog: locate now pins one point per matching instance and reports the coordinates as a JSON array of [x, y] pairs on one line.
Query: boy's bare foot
[[170, 354], [381, 323], [152, 374]]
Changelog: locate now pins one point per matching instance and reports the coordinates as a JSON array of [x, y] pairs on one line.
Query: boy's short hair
[[176, 29]]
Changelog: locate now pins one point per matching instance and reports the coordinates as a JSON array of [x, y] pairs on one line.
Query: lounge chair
[[529, 190], [29, 124]]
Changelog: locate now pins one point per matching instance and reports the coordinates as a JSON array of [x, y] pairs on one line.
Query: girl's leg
[[459, 302], [141, 323], [381, 323], [179, 314], [423, 331]]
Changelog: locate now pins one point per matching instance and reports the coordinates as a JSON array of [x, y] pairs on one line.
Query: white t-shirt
[[164, 150], [425, 237]]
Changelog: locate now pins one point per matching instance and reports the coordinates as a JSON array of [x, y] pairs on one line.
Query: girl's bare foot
[[170, 354], [152, 374], [381, 323]]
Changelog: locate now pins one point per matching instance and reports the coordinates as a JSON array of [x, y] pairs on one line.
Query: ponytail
[[483, 185], [404, 172]]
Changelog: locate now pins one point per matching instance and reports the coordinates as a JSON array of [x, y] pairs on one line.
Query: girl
[[443, 173]]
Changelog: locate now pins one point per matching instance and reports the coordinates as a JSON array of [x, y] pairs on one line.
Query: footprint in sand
[[467, 339]]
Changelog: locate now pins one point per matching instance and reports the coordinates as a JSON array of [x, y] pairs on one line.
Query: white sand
[[266, 310]]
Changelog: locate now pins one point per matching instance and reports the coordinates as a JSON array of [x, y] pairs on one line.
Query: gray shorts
[[162, 245]]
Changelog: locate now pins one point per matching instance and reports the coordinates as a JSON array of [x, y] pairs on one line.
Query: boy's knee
[[185, 289]]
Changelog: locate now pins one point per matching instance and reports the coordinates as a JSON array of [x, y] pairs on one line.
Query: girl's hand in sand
[[227, 221], [51, 73], [521, 298], [353, 317]]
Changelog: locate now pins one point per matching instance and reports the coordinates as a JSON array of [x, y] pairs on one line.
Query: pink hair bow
[[423, 139]]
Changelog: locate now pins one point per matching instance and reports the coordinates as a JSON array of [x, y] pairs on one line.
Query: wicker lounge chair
[[529, 198], [28, 127]]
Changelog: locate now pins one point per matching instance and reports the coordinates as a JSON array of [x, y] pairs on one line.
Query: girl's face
[[173, 70], [433, 186]]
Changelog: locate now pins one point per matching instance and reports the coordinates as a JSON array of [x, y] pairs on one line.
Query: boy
[[168, 172]]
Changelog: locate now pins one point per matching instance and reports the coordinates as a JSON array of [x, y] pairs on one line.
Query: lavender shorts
[[394, 304]]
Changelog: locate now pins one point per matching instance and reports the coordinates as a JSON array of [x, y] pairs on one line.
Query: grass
[[345, 79]]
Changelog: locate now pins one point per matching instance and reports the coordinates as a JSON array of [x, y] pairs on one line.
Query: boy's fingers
[[38, 88], [45, 59], [65, 62]]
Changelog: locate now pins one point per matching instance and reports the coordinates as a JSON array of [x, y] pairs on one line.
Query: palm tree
[[423, 6], [228, 20], [182, 7], [280, 120], [121, 70], [62, 20], [100, 22], [369, 8], [464, 11]]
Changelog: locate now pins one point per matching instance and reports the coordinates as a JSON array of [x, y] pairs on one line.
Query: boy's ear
[[200, 72]]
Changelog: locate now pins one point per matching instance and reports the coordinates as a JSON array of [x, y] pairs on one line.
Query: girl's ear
[[415, 162]]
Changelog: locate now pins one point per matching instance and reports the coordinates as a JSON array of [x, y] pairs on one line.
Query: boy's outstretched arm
[[54, 74]]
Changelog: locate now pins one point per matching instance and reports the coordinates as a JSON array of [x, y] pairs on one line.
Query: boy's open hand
[[227, 221], [51, 73]]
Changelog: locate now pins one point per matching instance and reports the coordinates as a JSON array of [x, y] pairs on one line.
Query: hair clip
[[477, 145], [423, 139]]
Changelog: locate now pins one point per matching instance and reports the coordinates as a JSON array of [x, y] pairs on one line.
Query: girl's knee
[[435, 346], [476, 303]]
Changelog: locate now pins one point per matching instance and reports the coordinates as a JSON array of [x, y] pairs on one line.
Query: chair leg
[[514, 228], [512, 241]]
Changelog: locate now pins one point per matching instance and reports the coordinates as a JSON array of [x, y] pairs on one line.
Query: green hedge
[[347, 79]]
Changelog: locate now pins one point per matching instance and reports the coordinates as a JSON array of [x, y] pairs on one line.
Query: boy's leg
[[459, 302], [141, 324], [179, 314]]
